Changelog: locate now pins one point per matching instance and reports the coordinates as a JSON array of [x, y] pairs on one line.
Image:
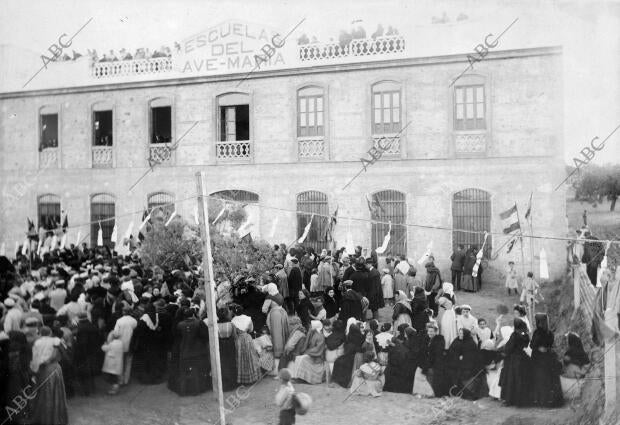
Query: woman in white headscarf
[[401, 312], [447, 323], [310, 366]]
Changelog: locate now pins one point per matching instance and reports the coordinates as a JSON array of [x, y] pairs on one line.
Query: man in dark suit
[[294, 284], [458, 261], [351, 303], [375, 292]]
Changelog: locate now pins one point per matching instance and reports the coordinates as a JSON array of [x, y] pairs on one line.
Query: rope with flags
[[474, 272]]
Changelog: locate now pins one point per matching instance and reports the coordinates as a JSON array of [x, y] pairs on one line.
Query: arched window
[[48, 211], [237, 195], [242, 199], [160, 202], [102, 211], [471, 212], [386, 206], [386, 108], [308, 203]]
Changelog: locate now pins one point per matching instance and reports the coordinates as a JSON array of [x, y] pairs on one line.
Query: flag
[[145, 219], [16, 248], [54, 242], [474, 272], [375, 207], [25, 246], [63, 241], [114, 236], [603, 266], [426, 254], [386, 241], [220, 214], [3, 250], [544, 267], [511, 244], [331, 224], [79, 238], [32, 230], [303, 237], [529, 207], [511, 220], [172, 216], [39, 246], [128, 232], [100, 236]]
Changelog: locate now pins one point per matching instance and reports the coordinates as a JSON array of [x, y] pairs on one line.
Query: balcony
[[311, 147], [132, 67], [102, 156], [48, 158], [233, 150], [390, 144], [160, 153], [357, 47], [470, 143]]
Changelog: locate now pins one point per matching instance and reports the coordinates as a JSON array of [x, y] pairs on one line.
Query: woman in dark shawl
[[343, 366], [18, 359], [575, 358], [295, 343], [433, 285], [401, 312], [334, 344], [305, 307], [189, 375], [515, 378], [228, 351], [464, 362], [434, 362], [418, 306], [468, 283], [149, 348], [546, 369], [330, 303], [399, 373]]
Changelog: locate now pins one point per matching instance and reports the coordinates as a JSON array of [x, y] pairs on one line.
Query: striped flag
[[303, 237], [511, 220], [511, 244]]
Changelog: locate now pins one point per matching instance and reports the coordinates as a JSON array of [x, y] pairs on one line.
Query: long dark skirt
[[399, 380], [149, 365], [343, 369], [439, 380], [50, 405], [516, 381], [547, 391], [228, 360], [192, 376]]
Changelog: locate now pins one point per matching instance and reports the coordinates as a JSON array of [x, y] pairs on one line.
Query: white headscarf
[[272, 289], [351, 321], [316, 325], [42, 351], [448, 288]]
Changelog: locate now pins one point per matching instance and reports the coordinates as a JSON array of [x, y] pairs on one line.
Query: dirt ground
[[156, 405]]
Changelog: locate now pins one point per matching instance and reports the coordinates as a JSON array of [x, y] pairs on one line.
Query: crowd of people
[[313, 318], [122, 55]]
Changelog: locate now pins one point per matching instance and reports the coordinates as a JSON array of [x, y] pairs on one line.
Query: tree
[[611, 189], [178, 246], [596, 183]]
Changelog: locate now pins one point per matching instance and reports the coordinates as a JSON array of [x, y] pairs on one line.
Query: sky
[[588, 31]]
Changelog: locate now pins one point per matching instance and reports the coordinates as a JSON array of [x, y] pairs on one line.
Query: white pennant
[[79, 238], [306, 231], [427, 253], [54, 242], [100, 236], [16, 248], [603, 267], [146, 219], [386, 241], [25, 246], [219, 215], [474, 272], [544, 267], [3, 250], [172, 216], [63, 241], [114, 236], [196, 220], [128, 232], [39, 246]]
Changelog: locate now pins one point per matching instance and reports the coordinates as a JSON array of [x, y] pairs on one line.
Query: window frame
[[159, 102], [320, 222], [108, 225], [57, 201], [378, 230], [382, 88], [476, 126], [306, 94], [473, 238]]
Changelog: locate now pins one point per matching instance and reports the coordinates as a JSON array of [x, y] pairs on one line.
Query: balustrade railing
[[357, 47], [132, 67], [102, 156], [160, 153], [470, 143], [48, 158], [311, 147], [233, 150], [389, 144]]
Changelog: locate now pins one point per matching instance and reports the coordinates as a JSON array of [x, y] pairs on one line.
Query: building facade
[[287, 138]]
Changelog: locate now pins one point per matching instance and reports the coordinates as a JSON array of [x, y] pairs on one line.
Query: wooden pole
[[207, 267], [576, 288]]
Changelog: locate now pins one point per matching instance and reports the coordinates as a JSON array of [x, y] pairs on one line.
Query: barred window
[[308, 203], [471, 212], [160, 204], [102, 211], [48, 211], [386, 206], [386, 108], [310, 112]]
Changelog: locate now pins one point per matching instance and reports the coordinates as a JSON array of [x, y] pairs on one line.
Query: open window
[[102, 128], [161, 121], [48, 124], [234, 117]]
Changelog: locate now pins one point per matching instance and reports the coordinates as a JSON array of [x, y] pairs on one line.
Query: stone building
[[285, 131]]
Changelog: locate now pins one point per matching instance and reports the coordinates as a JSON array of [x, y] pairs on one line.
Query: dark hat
[[294, 260]]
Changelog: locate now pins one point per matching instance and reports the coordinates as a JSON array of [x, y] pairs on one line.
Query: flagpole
[[521, 237], [530, 220]]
